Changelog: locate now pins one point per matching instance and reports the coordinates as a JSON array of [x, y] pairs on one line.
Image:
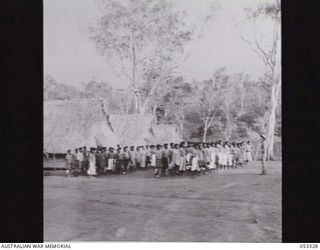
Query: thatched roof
[[70, 124], [133, 129], [166, 133]]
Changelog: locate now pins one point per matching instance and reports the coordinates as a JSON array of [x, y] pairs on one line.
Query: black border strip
[[300, 113], [21, 72]]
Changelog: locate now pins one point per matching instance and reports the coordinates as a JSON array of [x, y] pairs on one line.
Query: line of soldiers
[[167, 159]]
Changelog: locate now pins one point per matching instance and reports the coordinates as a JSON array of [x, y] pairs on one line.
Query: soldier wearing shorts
[[263, 154]]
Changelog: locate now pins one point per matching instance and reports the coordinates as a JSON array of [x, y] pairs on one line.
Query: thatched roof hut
[[70, 124], [166, 133], [133, 129]]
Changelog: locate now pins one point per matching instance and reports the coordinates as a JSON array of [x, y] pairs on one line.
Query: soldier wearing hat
[[148, 156], [85, 159], [174, 159], [142, 157], [75, 162], [182, 151], [188, 154], [110, 157], [158, 156], [213, 154], [132, 154], [171, 165], [69, 162], [92, 162], [152, 156], [242, 153], [263, 152], [98, 154], [237, 155], [124, 159], [220, 155], [80, 160], [195, 169], [165, 159], [201, 157], [137, 157], [103, 160]]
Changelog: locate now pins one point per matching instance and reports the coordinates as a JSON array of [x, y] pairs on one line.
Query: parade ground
[[235, 205]]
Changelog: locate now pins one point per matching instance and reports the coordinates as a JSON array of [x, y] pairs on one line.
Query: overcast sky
[[70, 57]]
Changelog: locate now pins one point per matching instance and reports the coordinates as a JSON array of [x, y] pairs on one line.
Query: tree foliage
[[141, 41], [271, 58]]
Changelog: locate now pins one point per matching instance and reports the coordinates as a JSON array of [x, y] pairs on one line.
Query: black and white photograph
[[162, 121]]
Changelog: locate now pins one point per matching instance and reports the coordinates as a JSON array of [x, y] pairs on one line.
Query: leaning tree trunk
[[272, 121]]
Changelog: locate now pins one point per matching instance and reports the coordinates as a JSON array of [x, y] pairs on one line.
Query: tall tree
[[270, 56], [232, 91], [141, 41], [174, 103], [207, 101]]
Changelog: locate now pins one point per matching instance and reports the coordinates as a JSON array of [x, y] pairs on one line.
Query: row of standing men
[[167, 159]]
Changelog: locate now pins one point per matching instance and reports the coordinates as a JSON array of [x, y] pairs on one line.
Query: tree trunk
[[205, 130], [205, 134], [227, 134], [138, 106], [137, 94], [242, 103], [154, 110], [272, 121], [181, 129]]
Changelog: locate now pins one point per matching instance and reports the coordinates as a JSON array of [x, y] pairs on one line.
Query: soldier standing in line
[[132, 155], [182, 151], [69, 161], [148, 156], [80, 161], [124, 157], [188, 156], [85, 159], [103, 159], [116, 161], [137, 157], [98, 159], [248, 152], [158, 157], [142, 158], [195, 169], [171, 169], [110, 158], [152, 156], [237, 155], [165, 160], [176, 159], [92, 162], [263, 152], [75, 162]]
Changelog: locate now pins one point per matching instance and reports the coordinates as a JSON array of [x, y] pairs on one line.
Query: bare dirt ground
[[236, 205]]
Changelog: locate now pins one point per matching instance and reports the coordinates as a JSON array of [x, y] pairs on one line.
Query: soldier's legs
[[156, 171], [125, 165], [157, 168]]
